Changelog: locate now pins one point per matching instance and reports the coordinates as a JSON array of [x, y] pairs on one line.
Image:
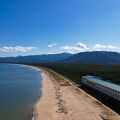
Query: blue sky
[[54, 26]]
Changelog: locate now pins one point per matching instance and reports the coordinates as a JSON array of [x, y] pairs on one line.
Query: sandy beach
[[60, 100]]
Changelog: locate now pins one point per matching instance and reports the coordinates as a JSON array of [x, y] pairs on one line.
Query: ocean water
[[19, 91]]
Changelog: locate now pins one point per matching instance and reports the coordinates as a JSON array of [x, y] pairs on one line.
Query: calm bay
[[19, 91]]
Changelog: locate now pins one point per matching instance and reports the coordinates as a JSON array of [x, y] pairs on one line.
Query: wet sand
[[61, 100]]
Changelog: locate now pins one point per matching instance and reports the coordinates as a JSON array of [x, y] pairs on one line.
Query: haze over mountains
[[95, 57], [37, 58]]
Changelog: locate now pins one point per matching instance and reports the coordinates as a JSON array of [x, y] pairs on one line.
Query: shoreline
[[34, 112], [66, 101], [60, 107], [61, 99]]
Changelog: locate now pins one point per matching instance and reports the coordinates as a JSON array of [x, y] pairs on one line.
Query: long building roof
[[102, 82]]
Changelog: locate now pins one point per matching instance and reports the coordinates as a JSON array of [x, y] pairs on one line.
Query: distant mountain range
[[95, 57], [36, 58]]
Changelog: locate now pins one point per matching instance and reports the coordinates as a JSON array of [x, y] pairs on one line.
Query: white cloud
[[104, 47], [79, 47], [16, 49], [52, 45]]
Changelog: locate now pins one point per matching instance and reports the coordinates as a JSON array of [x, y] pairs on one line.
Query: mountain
[[95, 57], [36, 58]]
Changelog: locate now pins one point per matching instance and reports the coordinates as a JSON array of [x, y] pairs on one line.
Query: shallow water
[[19, 91]]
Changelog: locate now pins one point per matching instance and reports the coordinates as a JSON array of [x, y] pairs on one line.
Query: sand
[[61, 101]]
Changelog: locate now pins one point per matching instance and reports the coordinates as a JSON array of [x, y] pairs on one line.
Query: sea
[[19, 91]]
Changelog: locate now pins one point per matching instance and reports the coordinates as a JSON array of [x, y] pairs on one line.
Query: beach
[[61, 100]]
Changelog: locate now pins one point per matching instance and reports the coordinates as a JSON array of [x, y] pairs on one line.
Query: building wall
[[108, 91]]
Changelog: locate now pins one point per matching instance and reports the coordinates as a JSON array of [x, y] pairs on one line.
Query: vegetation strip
[[75, 71]]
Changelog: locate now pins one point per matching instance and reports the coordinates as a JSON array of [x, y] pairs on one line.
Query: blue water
[[19, 91]]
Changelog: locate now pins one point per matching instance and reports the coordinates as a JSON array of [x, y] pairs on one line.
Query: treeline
[[76, 71]]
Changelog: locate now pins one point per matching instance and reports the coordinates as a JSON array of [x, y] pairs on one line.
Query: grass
[[57, 77]]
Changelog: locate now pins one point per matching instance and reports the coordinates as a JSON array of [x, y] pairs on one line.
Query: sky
[[30, 27]]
